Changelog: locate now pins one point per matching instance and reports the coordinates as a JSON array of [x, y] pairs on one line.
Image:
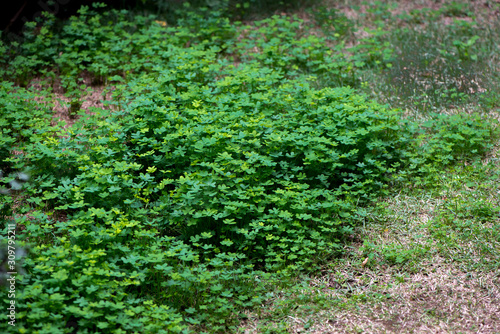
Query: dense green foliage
[[205, 182], [23, 120]]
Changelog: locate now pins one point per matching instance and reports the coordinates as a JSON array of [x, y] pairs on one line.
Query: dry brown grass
[[440, 299]]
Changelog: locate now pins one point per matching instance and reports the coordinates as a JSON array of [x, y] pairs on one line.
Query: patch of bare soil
[[94, 98], [62, 108]]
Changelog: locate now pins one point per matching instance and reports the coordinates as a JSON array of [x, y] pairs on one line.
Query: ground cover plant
[[420, 263], [232, 166]]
